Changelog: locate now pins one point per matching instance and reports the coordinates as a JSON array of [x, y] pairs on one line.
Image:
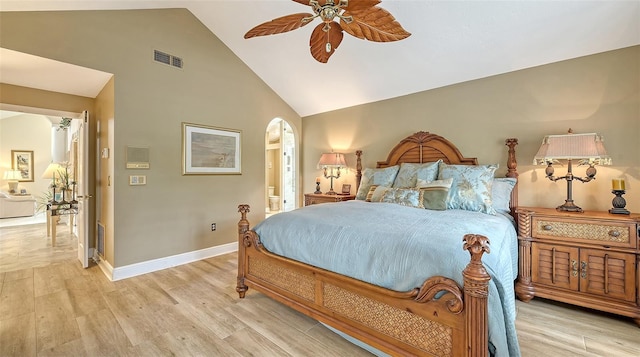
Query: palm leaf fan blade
[[324, 43], [375, 24], [359, 5], [279, 25]]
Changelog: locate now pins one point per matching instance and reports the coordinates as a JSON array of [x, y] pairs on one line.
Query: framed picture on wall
[[22, 160], [208, 150]]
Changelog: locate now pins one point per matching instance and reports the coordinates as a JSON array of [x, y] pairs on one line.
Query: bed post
[[476, 291], [512, 171], [358, 168], [243, 227]]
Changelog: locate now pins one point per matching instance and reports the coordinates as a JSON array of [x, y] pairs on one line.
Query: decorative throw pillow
[[471, 187], [382, 177], [370, 193], [409, 173], [411, 197], [435, 193], [501, 193], [378, 192]]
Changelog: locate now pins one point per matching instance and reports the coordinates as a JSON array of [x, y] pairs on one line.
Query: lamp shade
[[332, 159], [52, 169], [12, 175], [588, 147]]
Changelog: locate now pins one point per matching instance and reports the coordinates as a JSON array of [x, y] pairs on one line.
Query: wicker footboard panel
[[393, 322]]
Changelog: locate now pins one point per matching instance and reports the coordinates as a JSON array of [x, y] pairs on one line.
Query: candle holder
[[318, 187], [618, 203]]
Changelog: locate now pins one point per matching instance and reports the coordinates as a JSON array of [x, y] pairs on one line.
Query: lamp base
[[569, 206], [331, 192], [13, 186]]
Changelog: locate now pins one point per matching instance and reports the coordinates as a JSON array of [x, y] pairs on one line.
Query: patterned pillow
[[435, 193], [501, 193], [370, 193], [378, 192], [411, 197], [382, 177], [409, 173], [471, 187]]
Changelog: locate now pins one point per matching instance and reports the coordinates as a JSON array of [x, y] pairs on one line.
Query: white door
[[82, 190]]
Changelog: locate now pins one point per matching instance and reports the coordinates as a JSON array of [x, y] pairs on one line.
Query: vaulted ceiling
[[450, 42]]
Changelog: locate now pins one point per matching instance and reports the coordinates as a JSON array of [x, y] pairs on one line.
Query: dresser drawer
[[618, 234]]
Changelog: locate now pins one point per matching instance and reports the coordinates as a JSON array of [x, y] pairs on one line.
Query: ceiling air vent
[[166, 58]]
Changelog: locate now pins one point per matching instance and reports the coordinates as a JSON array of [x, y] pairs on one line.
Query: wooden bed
[[398, 323]]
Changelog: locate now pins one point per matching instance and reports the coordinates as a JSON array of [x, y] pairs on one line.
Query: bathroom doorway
[[281, 168]]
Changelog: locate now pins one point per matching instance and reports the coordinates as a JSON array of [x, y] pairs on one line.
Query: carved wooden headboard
[[424, 147]]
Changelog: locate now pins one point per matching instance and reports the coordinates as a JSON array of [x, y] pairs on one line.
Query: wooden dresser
[[591, 259], [314, 198]]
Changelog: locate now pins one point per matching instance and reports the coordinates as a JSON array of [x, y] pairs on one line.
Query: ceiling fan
[[359, 18]]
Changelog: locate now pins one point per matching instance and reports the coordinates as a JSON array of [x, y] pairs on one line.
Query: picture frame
[[346, 189], [209, 150], [22, 160]]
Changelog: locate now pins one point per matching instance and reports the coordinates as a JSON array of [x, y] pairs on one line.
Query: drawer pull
[[553, 265], [606, 273], [614, 233], [583, 268], [574, 267], [547, 227]]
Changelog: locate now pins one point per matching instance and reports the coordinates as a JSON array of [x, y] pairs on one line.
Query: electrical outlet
[[213, 227]]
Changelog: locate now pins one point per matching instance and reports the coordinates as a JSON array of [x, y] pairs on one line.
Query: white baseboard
[[149, 266]]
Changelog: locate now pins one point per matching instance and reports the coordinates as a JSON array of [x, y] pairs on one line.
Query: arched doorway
[[281, 175]]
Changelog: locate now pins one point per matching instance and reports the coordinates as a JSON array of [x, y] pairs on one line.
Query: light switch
[[136, 180]]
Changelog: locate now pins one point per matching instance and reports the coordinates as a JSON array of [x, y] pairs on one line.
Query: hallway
[[27, 246]]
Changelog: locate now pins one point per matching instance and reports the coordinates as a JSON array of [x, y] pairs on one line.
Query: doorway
[[281, 167], [57, 148]]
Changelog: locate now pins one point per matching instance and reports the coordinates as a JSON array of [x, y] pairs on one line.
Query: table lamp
[[50, 173], [333, 161], [12, 177], [587, 148]]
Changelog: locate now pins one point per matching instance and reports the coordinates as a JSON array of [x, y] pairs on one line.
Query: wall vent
[[166, 58]]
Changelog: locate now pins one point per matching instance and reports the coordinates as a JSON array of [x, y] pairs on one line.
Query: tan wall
[[104, 117], [599, 93], [172, 213], [31, 97]]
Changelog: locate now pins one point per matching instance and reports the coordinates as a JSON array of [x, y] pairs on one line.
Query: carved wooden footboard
[[398, 323]]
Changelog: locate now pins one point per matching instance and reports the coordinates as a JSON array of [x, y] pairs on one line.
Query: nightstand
[[590, 259], [315, 198]]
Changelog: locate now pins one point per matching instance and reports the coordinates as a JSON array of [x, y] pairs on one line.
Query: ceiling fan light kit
[[359, 18]]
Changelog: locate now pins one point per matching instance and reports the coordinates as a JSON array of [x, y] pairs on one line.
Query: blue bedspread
[[399, 247]]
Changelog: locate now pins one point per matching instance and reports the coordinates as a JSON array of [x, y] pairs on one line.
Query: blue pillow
[[471, 187], [410, 173], [411, 197], [380, 177], [501, 193]]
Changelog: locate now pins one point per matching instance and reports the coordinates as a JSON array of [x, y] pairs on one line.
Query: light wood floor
[[50, 306]]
